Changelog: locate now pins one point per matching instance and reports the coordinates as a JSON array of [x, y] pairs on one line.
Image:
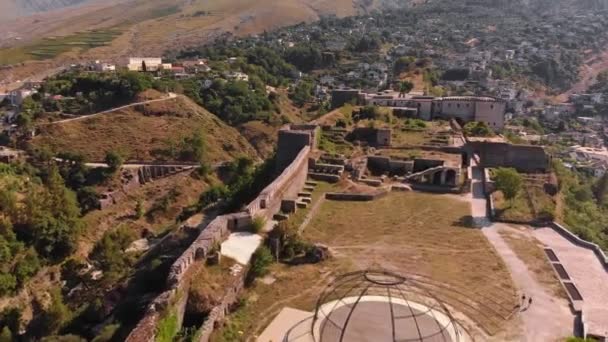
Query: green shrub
[[139, 209], [109, 252], [106, 334], [509, 181], [6, 335], [55, 316], [258, 224], [261, 260], [167, 328], [114, 161], [477, 129], [8, 283], [27, 267]]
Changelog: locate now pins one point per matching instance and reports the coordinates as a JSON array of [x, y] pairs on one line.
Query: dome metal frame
[[398, 290]]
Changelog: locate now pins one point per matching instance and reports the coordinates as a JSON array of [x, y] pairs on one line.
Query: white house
[[150, 63], [237, 76]]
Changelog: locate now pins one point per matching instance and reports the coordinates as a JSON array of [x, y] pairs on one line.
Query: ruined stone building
[[462, 108]]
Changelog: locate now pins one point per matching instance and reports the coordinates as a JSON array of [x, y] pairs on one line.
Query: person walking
[[529, 301]]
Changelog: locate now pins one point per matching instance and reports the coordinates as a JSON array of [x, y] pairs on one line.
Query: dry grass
[[151, 27], [296, 287], [262, 136], [185, 188], [517, 209], [142, 133], [410, 234], [530, 251], [522, 208], [404, 136]]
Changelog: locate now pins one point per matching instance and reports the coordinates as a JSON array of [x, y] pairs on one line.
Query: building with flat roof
[[147, 63], [486, 109]]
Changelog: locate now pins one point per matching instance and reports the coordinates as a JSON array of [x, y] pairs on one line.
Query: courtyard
[[427, 237], [421, 236]]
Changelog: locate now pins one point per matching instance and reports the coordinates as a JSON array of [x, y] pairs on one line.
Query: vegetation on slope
[[585, 208], [162, 131]]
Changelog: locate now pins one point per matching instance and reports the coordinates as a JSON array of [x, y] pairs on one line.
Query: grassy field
[[145, 133], [404, 135], [52, 47], [530, 251], [294, 286], [407, 233], [403, 232]]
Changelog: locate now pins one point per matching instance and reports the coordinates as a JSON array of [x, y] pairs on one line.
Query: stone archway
[[437, 178], [450, 177]]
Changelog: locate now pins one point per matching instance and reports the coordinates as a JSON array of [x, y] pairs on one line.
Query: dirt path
[[169, 97], [549, 317]]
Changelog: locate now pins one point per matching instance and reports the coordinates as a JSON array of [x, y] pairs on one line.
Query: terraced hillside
[[150, 132], [146, 27]]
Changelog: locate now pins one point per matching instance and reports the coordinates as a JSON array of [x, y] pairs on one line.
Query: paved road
[[84, 117], [478, 199], [549, 318], [587, 273]]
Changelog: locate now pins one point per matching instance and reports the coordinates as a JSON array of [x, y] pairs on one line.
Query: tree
[[261, 260], [52, 217], [368, 112], [402, 64], [509, 181], [109, 253], [139, 209], [8, 283], [193, 148], [600, 189], [88, 199], [11, 318], [302, 93], [114, 161], [6, 335], [405, 87], [305, 58], [27, 267], [54, 316], [478, 129]]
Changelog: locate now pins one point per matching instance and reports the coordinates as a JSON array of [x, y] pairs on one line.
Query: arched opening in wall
[[437, 178], [465, 159], [450, 177]]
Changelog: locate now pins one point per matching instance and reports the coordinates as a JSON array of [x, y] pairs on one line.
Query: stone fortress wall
[[289, 182], [524, 158]]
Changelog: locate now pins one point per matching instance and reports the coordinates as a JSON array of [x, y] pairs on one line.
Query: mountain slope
[[147, 133], [10, 9]]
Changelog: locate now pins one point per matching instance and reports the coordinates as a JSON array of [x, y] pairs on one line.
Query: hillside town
[[436, 172]]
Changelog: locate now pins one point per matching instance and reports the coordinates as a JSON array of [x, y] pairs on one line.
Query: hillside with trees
[[161, 131]]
